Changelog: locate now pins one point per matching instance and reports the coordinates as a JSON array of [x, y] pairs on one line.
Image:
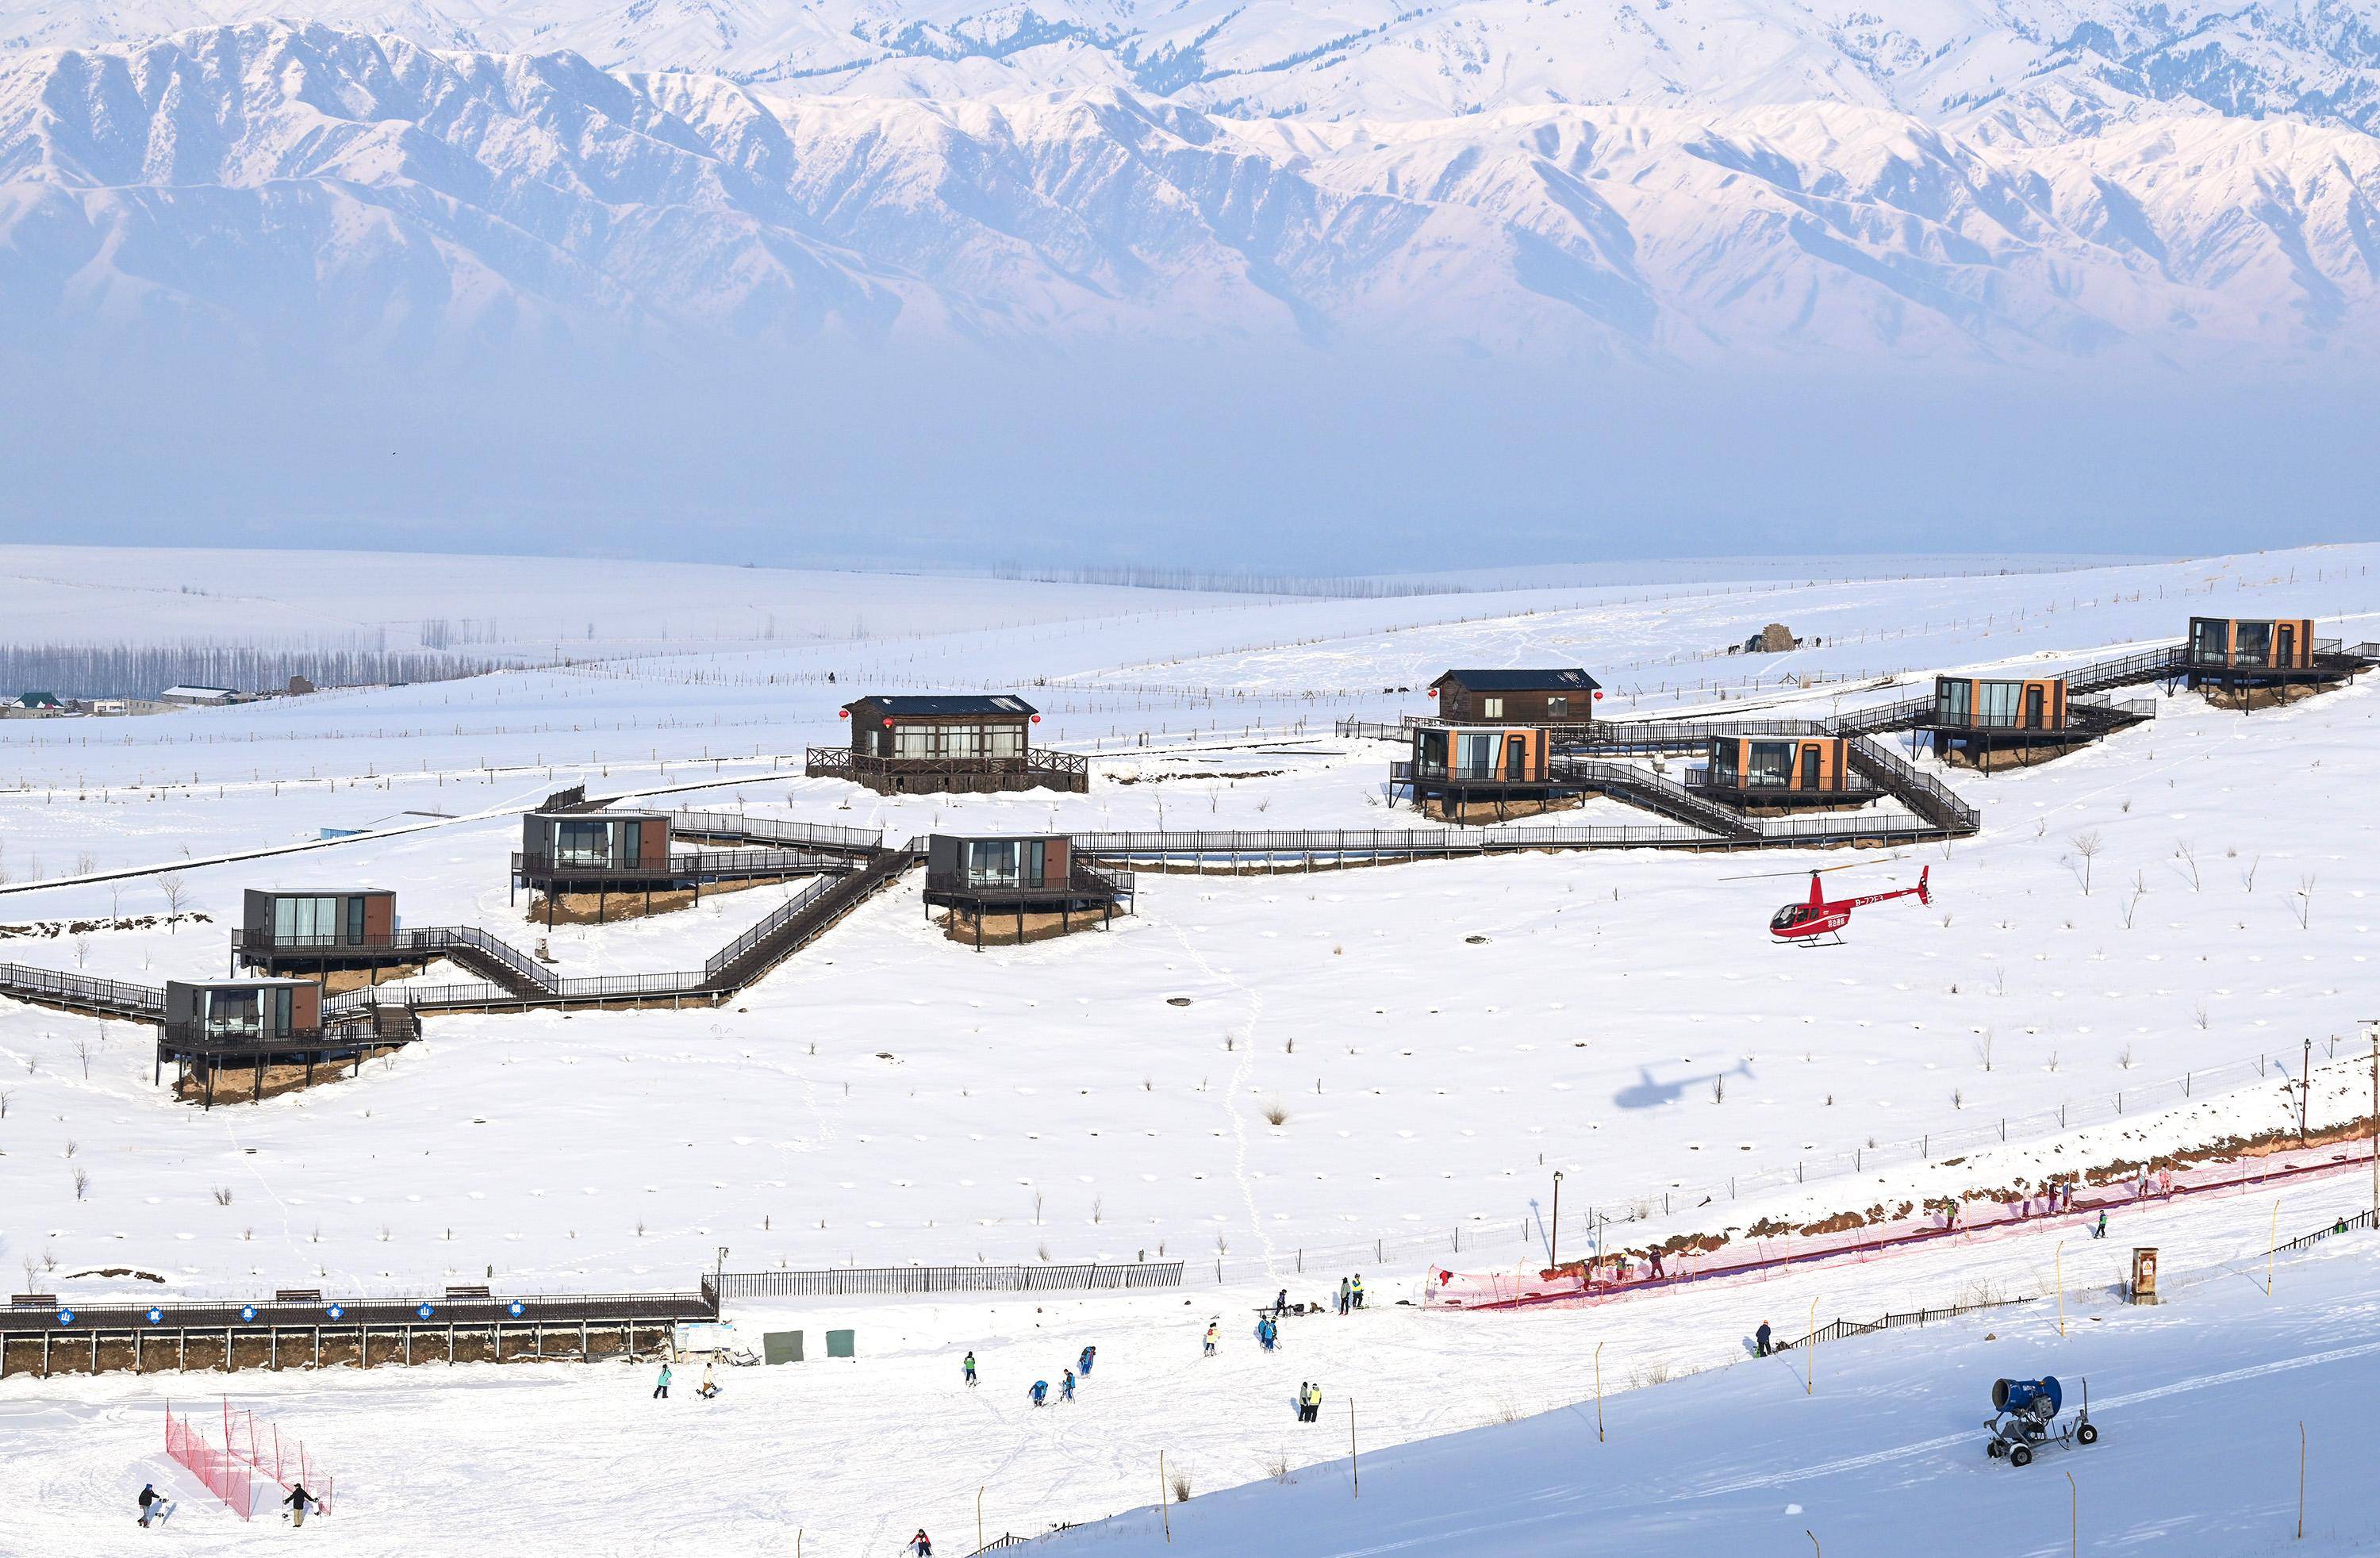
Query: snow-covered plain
[[888, 1096]]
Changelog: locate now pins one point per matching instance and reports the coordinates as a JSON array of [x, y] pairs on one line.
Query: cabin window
[[959, 742], [1772, 764], [297, 921], [2252, 645], [240, 1012], [1724, 773], [2206, 639], [1558, 707], [355, 920], [1491, 708], [1954, 701], [632, 844], [1995, 702], [582, 844], [1005, 863], [1430, 754], [1474, 755]]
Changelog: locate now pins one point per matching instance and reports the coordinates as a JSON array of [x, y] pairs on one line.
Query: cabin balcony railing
[[2301, 657], [1975, 720], [681, 866], [205, 1039], [249, 938], [1083, 881], [842, 762], [1753, 783]]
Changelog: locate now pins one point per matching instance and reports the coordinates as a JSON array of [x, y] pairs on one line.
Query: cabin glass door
[[1810, 767]]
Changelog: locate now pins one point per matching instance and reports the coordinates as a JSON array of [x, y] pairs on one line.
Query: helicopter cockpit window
[[1789, 916]]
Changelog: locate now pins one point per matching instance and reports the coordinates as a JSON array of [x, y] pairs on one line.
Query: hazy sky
[[1307, 461]]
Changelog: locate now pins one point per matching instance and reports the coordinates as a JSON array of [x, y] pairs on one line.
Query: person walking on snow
[[1356, 1290], [1040, 1392], [921, 1544], [298, 1499], [1091, 1355], [1210, 1340], [1301, 1401], [661, 1387], [708, 1389], [2099, 1229], [1343, 1295], [1760, 1341], [154, 1505], [1066, 1385], [968, 1366], [1281, 1304], [1314, 1404]]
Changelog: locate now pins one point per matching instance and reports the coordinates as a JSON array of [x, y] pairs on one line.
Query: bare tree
[[2248, 876], [2304, 902], [1984, 1049], [82, 1053], [2086, 845], [82, 950], [114, 902], [2189, 859], [82, 1184], [175, 890], [2132, 904]]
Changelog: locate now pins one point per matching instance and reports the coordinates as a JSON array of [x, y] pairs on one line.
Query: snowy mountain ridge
[[381, 199], [1339, 59]]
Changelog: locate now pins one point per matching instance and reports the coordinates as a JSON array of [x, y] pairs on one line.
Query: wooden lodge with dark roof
[[1019, 887], [946, 743], [1555, 696]]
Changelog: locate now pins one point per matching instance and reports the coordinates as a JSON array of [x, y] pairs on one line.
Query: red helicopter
[[1804, 924]]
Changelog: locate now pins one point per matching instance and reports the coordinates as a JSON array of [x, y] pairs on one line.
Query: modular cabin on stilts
[[1004, 889], [1764, 774], [2249, 663]]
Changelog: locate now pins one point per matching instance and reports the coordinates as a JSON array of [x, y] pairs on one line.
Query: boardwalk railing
[[704, 864], [734, 825], [1841, 1329], [104, 996], [898, 1280], [2345, 1224]]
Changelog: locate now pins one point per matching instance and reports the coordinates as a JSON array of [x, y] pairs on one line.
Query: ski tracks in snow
[[1234, 1087]]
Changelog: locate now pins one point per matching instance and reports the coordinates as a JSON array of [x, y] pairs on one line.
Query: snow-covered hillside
[[1281, 1079], [358, 194]]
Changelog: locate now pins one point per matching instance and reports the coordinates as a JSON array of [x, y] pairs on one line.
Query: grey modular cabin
[[946, 743], [1021, 874], [289, 932]]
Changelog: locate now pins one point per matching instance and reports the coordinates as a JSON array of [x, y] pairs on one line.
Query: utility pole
[[1555, 1253], [2374, 1024], [2305, 1087]]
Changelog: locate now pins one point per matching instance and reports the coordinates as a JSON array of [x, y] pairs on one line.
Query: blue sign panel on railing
[[247, 1313], [337, 1311], [425, 1311], [156, 1316], [66, 1317]]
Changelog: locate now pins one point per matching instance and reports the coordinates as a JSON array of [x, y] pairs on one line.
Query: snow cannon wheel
[[2088, 1434], [2021, 1455]]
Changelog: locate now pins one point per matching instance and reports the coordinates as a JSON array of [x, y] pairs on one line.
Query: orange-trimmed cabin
[[2232, 643], [1781, 771], [1456, 767]]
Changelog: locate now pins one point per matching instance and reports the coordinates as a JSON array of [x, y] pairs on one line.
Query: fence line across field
[[1477, 1232], [878, 1281]]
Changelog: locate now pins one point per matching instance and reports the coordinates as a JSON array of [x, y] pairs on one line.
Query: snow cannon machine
[[2024, 1419]]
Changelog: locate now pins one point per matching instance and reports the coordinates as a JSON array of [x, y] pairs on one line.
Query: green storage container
[[780, 1346], [838, 1345]]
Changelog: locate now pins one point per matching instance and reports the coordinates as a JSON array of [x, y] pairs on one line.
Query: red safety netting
[[261, 1448], [249, 1450], [1623, 1274], [225, 1477]]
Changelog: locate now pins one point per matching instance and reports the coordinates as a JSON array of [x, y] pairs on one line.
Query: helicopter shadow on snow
[[1646, 1093]]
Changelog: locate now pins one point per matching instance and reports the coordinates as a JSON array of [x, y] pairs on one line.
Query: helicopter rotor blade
[[1815, 870]]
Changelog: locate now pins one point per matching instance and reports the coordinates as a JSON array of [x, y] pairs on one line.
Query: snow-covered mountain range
[[1663, 181]]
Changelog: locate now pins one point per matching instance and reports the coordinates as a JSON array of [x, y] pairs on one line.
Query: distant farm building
[[939, 744], [198, 695], [1013, 888], [1552, 697]]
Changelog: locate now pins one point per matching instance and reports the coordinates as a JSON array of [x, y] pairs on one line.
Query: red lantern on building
[[888, 723], [1599, 695], [1433, 692], [1037, 719], [843, 713]]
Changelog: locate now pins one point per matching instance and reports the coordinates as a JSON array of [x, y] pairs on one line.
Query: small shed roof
[[198, 692], [1552, 679], [946, 703], [37, 700]]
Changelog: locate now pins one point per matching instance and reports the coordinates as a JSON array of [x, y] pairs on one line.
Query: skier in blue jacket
[[1040, 1392]]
